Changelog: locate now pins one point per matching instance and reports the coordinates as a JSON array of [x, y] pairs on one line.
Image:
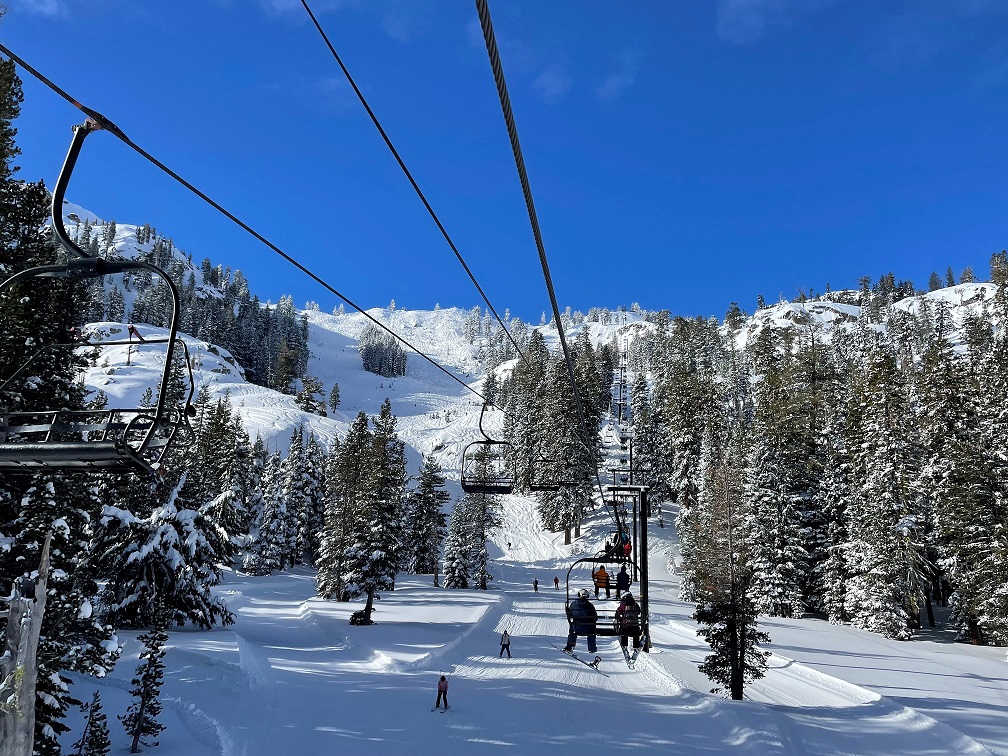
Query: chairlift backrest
[[486, 465], [113, 438]]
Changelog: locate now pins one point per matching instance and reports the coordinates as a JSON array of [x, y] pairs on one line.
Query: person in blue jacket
[[583, 618]]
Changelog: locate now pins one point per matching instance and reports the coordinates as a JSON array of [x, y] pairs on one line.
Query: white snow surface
[[292, 676]]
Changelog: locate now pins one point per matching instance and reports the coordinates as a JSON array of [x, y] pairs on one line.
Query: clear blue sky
[[682, 154]]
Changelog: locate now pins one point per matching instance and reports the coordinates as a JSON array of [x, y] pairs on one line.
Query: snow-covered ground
[[293, 676]]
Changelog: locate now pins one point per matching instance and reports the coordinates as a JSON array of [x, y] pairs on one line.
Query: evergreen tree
[[426, 526], [880, 591], [141, 718], [456, 551], [294, 495], [95, 740], [169, 554], [723, 578], [334, 400], [310, 397], [348, 472], [372, 558], [269, 544]]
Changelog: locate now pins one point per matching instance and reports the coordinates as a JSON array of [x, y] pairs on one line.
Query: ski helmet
[[583, 593]]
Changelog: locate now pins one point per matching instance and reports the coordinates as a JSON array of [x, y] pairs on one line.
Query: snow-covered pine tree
[[966, 485], [294, 477], [269, 547], [723, 576], [373, 555], [253, 500], [141, 718], [456, 551], [312, 517], [774, 485], [169, 554], [309, 398], [73, 638], [341, 471], [880, 591], [524, 418], [426, 525], [95, 740], [231, 509]]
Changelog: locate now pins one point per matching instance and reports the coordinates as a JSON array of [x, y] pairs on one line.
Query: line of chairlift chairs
[[486, 469], [137, 438]]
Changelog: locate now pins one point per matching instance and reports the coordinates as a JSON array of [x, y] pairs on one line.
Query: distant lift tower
[[638, 495]]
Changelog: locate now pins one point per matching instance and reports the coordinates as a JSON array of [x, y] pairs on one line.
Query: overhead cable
[[413, 183], [505, 100], [109, 126]]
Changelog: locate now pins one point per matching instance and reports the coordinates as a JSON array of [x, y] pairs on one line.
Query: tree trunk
[[369, 606], [19, 665], [135, 747], [930, 609], [567, 536]]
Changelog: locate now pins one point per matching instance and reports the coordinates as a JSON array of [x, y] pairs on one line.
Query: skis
[[441, 710], [591, 665], [632, 660]]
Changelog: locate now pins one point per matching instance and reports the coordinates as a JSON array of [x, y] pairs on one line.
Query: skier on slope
[[442, 692], [582, 616]]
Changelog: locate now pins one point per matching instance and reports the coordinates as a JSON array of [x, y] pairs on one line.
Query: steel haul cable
[[109, 126], [416, 187], [505, 100]]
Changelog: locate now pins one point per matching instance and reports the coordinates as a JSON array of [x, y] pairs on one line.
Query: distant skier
[[506, 644], [442, 693], [556, 583], [582, 616], [622, 581], [535, 584]]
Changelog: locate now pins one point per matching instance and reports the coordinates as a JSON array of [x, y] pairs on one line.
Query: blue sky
[[682, 155]]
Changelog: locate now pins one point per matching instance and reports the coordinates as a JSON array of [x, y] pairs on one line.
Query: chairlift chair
[[112, 439], [486, 464]]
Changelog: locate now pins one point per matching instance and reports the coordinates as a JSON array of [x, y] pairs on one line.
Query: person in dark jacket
[[628, 622], [622, 581], [506, 644], [442, 692], [583, 617]]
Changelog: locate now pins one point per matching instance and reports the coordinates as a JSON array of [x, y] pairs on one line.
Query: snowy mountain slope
[[293, 676], [824, 316]]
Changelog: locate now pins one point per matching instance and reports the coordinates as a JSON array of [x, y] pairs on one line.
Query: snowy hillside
[[292, 676]]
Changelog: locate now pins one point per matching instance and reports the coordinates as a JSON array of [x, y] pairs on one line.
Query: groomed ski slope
[[293, 677]]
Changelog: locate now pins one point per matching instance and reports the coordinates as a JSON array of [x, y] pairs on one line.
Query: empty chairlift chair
[[58, 438], [487, 464]]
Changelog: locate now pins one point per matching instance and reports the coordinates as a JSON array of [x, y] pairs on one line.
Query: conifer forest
[[842, 455]]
